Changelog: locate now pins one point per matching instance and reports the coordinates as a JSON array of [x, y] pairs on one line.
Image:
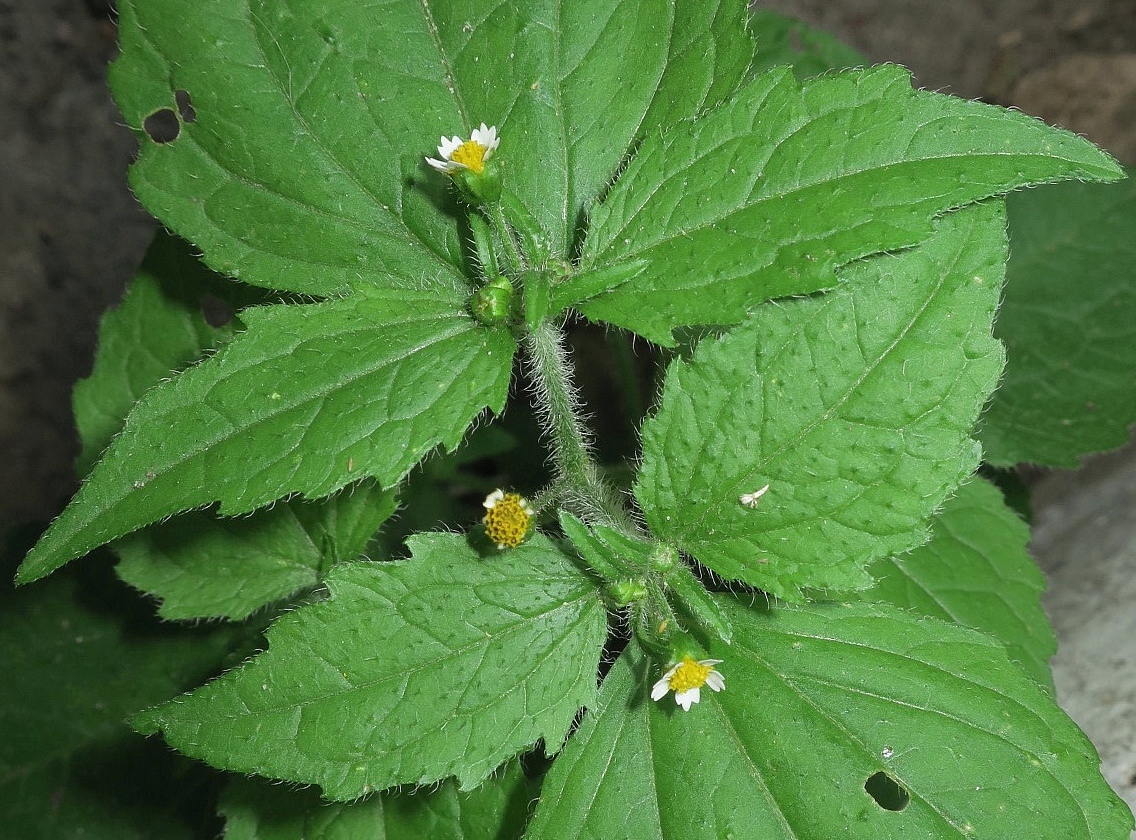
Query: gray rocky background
[[71, 235]]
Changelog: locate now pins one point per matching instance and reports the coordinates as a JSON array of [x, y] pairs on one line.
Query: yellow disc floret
[[471, 155], [689, 674], [508, 518], [686, 679]]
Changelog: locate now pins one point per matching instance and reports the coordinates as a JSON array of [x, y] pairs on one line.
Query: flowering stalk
[[581, 489]]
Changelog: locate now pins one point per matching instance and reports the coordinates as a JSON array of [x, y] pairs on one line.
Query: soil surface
[[71, 235]]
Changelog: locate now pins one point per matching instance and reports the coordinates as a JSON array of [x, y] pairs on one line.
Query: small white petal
[[661, 688], [493, 498], [487, 137], [715, 681], [446, 166], [447, 147], [685, 698]]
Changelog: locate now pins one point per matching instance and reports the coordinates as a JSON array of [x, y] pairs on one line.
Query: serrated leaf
[[77, 662], [1069, 323], [204, 566], [818, 701], [446, 664], [809, 51], [160, 327], [303, 167], [768, 195], [855, 408], [976, 572], [495, 810], [306, 400]]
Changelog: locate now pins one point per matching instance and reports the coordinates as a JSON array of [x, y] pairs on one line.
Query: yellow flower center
[[507, 523], [470, 154], [689, 674]]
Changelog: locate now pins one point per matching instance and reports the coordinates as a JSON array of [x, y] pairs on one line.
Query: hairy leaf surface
[[306, 400], [771, 193], [976, 571], [855, 407], [708, 55], [495, 810], [174, 312], [1069, 323], [204, 566], [818, 701], [301, 166], [446, 664]]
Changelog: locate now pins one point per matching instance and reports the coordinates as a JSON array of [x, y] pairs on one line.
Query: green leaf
[[495, 810], [584, 285], [976, 571], [768, 195], [1069, 323], [855, 408], [809, 51], [817, 702], [566, 83], [160, 326], [303, 168], [709, 52], [77, 662], [204, 566], [701, 607], [606, 560], [444, 664], [306, 400]]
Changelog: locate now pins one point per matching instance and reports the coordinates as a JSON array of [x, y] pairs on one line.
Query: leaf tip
[[38, 563], [147, 722]]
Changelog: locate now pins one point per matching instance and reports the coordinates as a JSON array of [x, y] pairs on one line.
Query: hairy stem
[[505, 237], [581, 488]]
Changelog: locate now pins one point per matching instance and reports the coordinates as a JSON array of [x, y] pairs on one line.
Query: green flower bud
[[494, 302], [479, 188], [625, 592]]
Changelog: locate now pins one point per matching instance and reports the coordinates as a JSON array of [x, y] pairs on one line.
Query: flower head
[[686, 679], [472, 154], [508, 518]]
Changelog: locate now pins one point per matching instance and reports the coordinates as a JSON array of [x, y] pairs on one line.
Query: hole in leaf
[[888, 793], [216, 312], [185, 106], [162, 126]]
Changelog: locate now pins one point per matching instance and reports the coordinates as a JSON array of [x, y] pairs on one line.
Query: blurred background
[[71, 235]]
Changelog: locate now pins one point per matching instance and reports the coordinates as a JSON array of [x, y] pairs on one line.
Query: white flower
[[686, 679], [458, 154]]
